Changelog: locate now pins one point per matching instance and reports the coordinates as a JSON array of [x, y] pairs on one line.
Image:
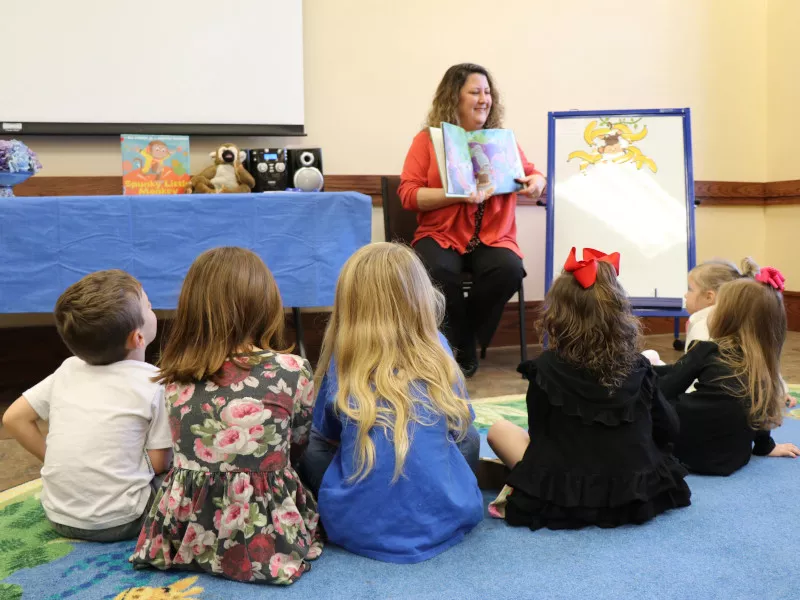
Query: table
[[48, 243]]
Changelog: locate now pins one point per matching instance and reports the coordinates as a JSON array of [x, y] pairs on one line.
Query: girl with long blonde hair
[[738, 395], [392, 437], [239, 408]]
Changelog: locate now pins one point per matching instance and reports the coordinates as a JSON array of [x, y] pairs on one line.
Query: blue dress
[[431, 507]]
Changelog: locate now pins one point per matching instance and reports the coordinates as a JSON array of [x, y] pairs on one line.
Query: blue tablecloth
[[47, 244]]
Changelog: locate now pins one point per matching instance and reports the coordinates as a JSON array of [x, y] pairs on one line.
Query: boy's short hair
[[96, 315]]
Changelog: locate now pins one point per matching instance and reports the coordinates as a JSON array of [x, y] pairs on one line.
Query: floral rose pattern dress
[[232, 505]]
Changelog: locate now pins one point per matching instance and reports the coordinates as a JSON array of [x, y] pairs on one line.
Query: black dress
[[715, 436], [594, 458]]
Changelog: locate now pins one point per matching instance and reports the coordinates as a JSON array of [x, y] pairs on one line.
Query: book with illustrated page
[[472, 161], [155, 164]]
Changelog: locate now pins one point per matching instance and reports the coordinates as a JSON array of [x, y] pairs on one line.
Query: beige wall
[[730, 232], [371, 68], [783, 80], [783, 132], [782, 225]]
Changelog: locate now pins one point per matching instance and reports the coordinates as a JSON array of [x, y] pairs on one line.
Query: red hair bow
[[585, 271], [772, 277]]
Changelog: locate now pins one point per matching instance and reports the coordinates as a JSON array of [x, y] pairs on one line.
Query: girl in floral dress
[[239, 410]]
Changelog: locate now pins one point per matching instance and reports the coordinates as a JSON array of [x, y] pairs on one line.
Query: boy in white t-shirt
[[108, 430]]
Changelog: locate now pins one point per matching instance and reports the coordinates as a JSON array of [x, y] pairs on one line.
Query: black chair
[[400, 224]]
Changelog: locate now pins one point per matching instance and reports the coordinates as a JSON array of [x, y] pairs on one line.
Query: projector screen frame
[[92, 129]]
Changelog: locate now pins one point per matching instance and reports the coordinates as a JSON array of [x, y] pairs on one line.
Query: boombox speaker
[[305, 169], [269, 168]]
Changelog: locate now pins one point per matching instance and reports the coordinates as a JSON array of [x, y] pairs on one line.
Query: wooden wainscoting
[[111, 186], [732, 193], [791, 300], [708, 193], [508, 331], [35, 352], [782, 192]]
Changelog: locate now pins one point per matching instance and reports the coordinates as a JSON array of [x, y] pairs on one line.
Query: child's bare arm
[[20, 421], [789, 450], [160, 459], [158, 444]]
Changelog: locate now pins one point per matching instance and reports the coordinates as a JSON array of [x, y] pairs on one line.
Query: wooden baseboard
[[507, 333], [782, 192], [38, 350], [707, 193], [791, 302]]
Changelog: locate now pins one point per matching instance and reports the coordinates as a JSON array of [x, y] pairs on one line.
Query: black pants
[[496, 276]]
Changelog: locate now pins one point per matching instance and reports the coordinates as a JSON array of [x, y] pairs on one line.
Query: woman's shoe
[[469, 369]]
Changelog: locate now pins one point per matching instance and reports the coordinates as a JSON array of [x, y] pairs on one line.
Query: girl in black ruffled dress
[[601, 432]]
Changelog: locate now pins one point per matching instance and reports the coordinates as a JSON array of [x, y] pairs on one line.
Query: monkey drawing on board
[[226, 175], [612, 144]]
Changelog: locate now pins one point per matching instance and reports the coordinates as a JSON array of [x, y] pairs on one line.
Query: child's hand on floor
[[791, 402], [653, 357], [789, 450]]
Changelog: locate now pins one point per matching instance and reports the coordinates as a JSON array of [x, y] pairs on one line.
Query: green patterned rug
[[514, 409], [29, 548], [794, 391], [26, 538], [488, 410]]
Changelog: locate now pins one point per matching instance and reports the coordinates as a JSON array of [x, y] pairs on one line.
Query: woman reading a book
[[476, 233]]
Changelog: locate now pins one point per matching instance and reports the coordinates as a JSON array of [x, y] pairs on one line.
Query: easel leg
[[677, 343]]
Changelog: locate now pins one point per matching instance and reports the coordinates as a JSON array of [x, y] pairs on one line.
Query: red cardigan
[[452, 226]]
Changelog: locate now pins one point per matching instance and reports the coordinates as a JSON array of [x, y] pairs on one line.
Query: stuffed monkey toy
[[225, 176]]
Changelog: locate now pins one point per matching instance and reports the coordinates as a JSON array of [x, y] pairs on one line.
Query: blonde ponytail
[[749, 268]]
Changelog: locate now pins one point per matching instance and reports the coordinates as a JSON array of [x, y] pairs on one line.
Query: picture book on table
[[471, 161], [155, 164]]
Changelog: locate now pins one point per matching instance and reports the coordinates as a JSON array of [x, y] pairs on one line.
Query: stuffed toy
[[225, 176]]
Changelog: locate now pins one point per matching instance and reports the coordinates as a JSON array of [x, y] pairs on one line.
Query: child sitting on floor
[[392, 441], [703, 286], [233, 505], [597, 449], [738, 395], [108, 434], [704, 282]]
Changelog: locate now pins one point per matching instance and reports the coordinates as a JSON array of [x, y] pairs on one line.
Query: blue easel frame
[[643, 307]]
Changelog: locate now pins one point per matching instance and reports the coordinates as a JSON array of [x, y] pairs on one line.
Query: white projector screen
[[176, 66]]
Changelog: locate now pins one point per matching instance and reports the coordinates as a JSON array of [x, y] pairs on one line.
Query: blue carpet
[[738, 540]]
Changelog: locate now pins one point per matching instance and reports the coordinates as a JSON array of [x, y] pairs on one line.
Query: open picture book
[[472, 161]]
